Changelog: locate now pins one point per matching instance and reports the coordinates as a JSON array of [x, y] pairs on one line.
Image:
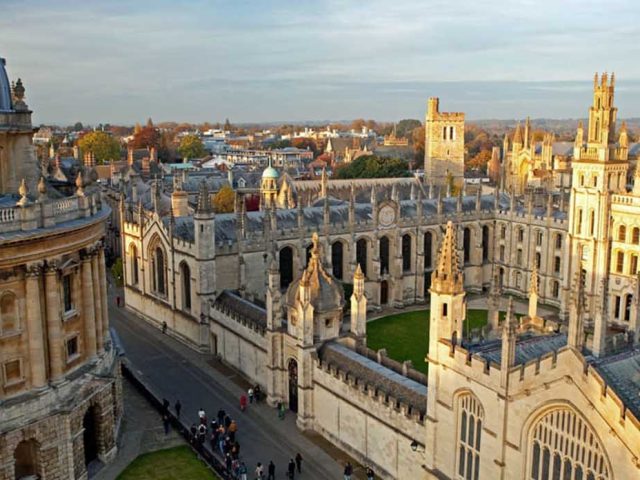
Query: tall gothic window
[[67, 287], [555, 289], [579, 225], [628, 301], [470, 419], [558, 241], [466, 243], [633, 265], [159, 272], [337, 255], [485, 243], [592, 222], [428, 250], [406, 253], [285, 261], [384, 255], [134, 264], [361, 254], [185, 274], [565, 446]]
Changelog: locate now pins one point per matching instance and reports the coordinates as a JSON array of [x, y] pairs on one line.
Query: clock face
[[387, 216]]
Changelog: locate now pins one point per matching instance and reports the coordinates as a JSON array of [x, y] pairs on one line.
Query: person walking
[[250, 393], [221, 415], [202, 415], [370, 474], [299, 462], [233, 428], [242, 471], [259, 471], [243, 403], [271, 471], [348, 471], [291, 470], [178, 407], [164, 327]]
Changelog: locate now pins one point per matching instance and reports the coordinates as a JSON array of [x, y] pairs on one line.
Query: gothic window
[[562, 445], [635, 236], [555, 289], [384, 255], [556, 264], [539, 237], [159, 272], [406, 253], [518, 279], [628, 300], [594, 180], [185, 274], [581, 180], [428, 250], [521, 234], [361, 254], [444, 133], [633, 265], [616, 306], [337, 259], [285, 261], [538, 259], [502, 253], [67, 297], [485, 243], [579, 225], [592, 222], [619, 262], [622, 233], [503, 232], [558, 241], [133, 252], [444, 309], [466, 242], [8, 313], [519, 257], [470, 419]]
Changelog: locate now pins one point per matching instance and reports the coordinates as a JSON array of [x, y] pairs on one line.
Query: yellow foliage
[[223, 201]]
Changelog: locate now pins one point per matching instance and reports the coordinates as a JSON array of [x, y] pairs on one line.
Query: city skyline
[[325, 60]]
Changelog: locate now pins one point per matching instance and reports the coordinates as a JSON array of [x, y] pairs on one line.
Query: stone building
[[60, 394], [444, 145], [551, 396]]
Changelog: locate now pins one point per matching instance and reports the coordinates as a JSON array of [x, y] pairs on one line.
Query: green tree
[[371, 166], [104, 147], [191, 147], [77, 127], [117, 272], [223, 200], [405, 127]]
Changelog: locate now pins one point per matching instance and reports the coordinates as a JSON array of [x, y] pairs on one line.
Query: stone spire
[[623, 141], [527, 133], [324, 183], [447, 277], [493, 303], [204, 199], [579, 135], [509, 340], [358, 306], [517, 137], [575, 333], [533, 292]]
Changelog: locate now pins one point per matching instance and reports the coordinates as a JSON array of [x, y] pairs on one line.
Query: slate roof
[[622, 373], [382, 378], [529, 347], [234, 305]]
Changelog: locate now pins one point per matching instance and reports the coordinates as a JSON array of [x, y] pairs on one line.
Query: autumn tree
[[404, 128], [145, 137], [372, 166], [305, 143], [103, 146], [357, 124], [191, 147], [223, 201], [417, 140]]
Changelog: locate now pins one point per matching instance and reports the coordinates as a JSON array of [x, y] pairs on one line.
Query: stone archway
[[292, 368], [26, 459], [90, 436]]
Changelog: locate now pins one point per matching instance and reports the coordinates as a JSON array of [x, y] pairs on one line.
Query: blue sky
[[124, 61]]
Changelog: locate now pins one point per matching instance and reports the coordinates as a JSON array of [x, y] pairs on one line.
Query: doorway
[[292, 367]]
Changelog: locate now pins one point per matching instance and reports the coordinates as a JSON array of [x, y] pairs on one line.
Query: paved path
[[176, 371]]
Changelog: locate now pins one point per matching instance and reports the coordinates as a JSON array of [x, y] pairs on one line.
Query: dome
[[325, 292], [270, 172], [5, 89]]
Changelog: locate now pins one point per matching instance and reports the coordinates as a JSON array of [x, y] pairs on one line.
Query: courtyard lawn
[[406, 335], [178, 463]]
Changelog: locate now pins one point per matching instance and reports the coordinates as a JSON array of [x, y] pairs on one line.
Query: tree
[[117, 272], [305, 143], [358, 124], [191, 147], [145, 137], [417, 139], [405, 127], [77, 127], [104, 147], [224, 200], [371, 166], [479, 162]]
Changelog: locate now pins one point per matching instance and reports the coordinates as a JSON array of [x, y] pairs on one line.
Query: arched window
[[633, 264], [470, 418], [185, 274], [133, 254], [159, 272], [561, 441], [558, 241], [555, 289], [285, 261], [538, 259], [428, 250], [466, 243], [635, 236], [579, 223], [502, 253], [627, 307], [519, 257], [556, 264], [619, 262], [520, 234], [361, 254], [406, 253], [384, 255], [622, 233], [8, 313], [337, 256], [26, 459], [485, 243], [592, 222], [503, 232]]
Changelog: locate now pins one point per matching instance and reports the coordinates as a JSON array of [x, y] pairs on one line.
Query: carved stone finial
[[23, 190], [18, 96], [358, 275], [42, 188], [80, 185]]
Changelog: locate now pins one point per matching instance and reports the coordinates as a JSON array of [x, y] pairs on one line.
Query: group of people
[[294, 465]]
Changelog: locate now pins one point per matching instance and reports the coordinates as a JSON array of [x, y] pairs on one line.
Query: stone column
[[97, 303], [103, 297], [54, 322], [34, 326], [88, 308]]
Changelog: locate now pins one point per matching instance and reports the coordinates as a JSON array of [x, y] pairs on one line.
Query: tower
[[444, 145], [599, 170], [268, 187], [204, 228]]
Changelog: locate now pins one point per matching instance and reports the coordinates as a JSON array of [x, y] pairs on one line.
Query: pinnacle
[[447, 277], [358, 275]]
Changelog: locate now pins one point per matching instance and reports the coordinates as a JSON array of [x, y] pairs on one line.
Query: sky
[[121, 62]]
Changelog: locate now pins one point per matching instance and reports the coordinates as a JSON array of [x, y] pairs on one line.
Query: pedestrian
[[348, 470], [233, 428], [292, 469], [281, 410], [228, 461], [243, 403], [178, 407], [165, 423], [235, 450], [202, 433], [370, 474], [250, 393], [193, 431], [227, 421], [242, 471], [202, 416], [299, 462], [221, 415], [164, 327], [257, 392], [271, 471], [165, 405], [118, 301], [259, 471]]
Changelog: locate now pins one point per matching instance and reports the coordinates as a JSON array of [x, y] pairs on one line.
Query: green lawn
[[178, 463], [406, 335]]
